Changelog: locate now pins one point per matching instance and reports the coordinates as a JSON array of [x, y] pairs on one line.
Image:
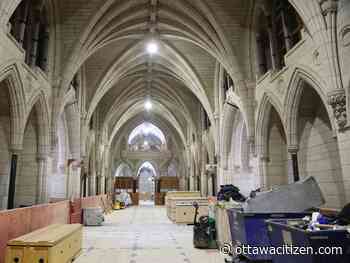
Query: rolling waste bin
[[248, 225], [250, 229], [309, 246]]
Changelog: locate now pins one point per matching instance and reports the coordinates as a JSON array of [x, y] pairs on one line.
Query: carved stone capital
[[328, 6], [216, 116], [337, 100], [293, 149], [16, 151]]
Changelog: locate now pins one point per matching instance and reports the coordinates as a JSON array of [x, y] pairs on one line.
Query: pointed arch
[[230, 112], [39, 103], [149, 163], [11, 75], [266, 105], [120, 167], [300, 78]]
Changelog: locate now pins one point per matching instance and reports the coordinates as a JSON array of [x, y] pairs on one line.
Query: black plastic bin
[[250, 229], [308, 247]]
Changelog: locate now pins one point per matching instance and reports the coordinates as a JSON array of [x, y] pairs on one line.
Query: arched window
[[146, 137], [264, 56], [30, 27], [276, 35], [123, 170], [287, 25]]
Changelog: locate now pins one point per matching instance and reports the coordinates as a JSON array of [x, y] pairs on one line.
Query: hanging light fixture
[[148, 105], [152, 47]]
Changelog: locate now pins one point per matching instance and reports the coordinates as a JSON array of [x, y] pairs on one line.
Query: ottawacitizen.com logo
[[231, 249]]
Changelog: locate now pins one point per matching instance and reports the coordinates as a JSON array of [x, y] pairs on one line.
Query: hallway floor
[[142, 235]]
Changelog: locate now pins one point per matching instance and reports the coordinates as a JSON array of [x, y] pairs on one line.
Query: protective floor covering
[[142, 235]]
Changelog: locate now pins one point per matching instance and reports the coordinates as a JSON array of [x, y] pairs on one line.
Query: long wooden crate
[[52, 244]]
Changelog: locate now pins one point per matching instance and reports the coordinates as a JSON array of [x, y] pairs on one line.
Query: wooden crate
[[184, 213], [172, 194], [52, 244], [174, 202], [177, 194]]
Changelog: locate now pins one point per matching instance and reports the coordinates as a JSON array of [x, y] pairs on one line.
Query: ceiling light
[[152, 48], [148, 105]]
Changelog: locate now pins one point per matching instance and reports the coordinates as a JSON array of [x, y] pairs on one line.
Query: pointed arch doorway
[[146, 175]]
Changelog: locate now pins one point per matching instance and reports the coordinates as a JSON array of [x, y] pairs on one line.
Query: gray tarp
[[297, 197]]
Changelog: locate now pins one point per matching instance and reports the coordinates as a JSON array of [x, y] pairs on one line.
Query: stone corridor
[[142, 234]]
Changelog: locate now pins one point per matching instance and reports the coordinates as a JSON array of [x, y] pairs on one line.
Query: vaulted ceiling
[[106, 41]]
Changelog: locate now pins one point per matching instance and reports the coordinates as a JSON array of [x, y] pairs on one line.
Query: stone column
[[293, 150], [73, 180], [102, 181], [92, 185], [204, 183], [192, 188], [263, 171], [69, 181], [108, 184], [330, 12], [214, 181], [76, 171], [87, 185], [42, 187], [97, 184], [210, 185], [12, 183], [182, 183]]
